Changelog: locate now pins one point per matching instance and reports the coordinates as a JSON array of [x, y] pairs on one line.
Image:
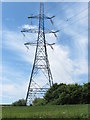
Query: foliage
[[60, 94], [20, 102], [86, 93], [39, 101], [68, 94]]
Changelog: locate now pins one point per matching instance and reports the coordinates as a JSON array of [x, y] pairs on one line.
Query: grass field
[[51, 111]]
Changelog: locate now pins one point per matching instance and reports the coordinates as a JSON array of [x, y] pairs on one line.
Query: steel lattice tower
[[38, 85]]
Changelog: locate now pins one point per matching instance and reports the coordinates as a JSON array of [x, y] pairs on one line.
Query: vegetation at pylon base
[[61, 94], [68, 94], [39, 101], [20, 102]]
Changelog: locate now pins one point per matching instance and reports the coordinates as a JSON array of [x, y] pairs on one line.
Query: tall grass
[[50, 111]]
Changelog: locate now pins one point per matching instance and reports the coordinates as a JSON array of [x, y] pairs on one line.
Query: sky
[[69, 59]]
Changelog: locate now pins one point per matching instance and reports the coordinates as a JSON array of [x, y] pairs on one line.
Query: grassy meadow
[[49, 111]]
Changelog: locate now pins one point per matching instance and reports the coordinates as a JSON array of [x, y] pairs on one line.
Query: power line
[[63, 27], [68, 19], [72, 23]]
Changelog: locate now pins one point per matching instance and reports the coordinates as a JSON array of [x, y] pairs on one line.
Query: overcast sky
[[68, 60]]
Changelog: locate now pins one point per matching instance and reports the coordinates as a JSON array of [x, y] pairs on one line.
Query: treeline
[[68, 94], [20, 102], [60, 94]]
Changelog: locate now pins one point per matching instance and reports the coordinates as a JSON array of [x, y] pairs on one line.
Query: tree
[[86, 93], [62, 94], [75, 92], [39, 101], [68, 94], [49, 96], [20, 102]]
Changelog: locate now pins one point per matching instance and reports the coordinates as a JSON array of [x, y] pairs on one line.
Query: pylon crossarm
[[49, 17], [36, 31], [30, 43], [51, 31], [34, 44], [50, 43], [30, 30], [36, 16], [54, 32]]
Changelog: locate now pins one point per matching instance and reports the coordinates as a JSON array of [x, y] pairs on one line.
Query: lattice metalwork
[[41, 77]]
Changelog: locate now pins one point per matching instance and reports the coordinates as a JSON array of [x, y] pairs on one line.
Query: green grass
[[50, 111]]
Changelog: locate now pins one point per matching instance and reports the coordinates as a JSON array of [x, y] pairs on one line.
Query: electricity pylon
[[38, 85]]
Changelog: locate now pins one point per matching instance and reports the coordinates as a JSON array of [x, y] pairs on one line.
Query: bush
[[20, 102], [62, 94], [68, 94], [39, 101]]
